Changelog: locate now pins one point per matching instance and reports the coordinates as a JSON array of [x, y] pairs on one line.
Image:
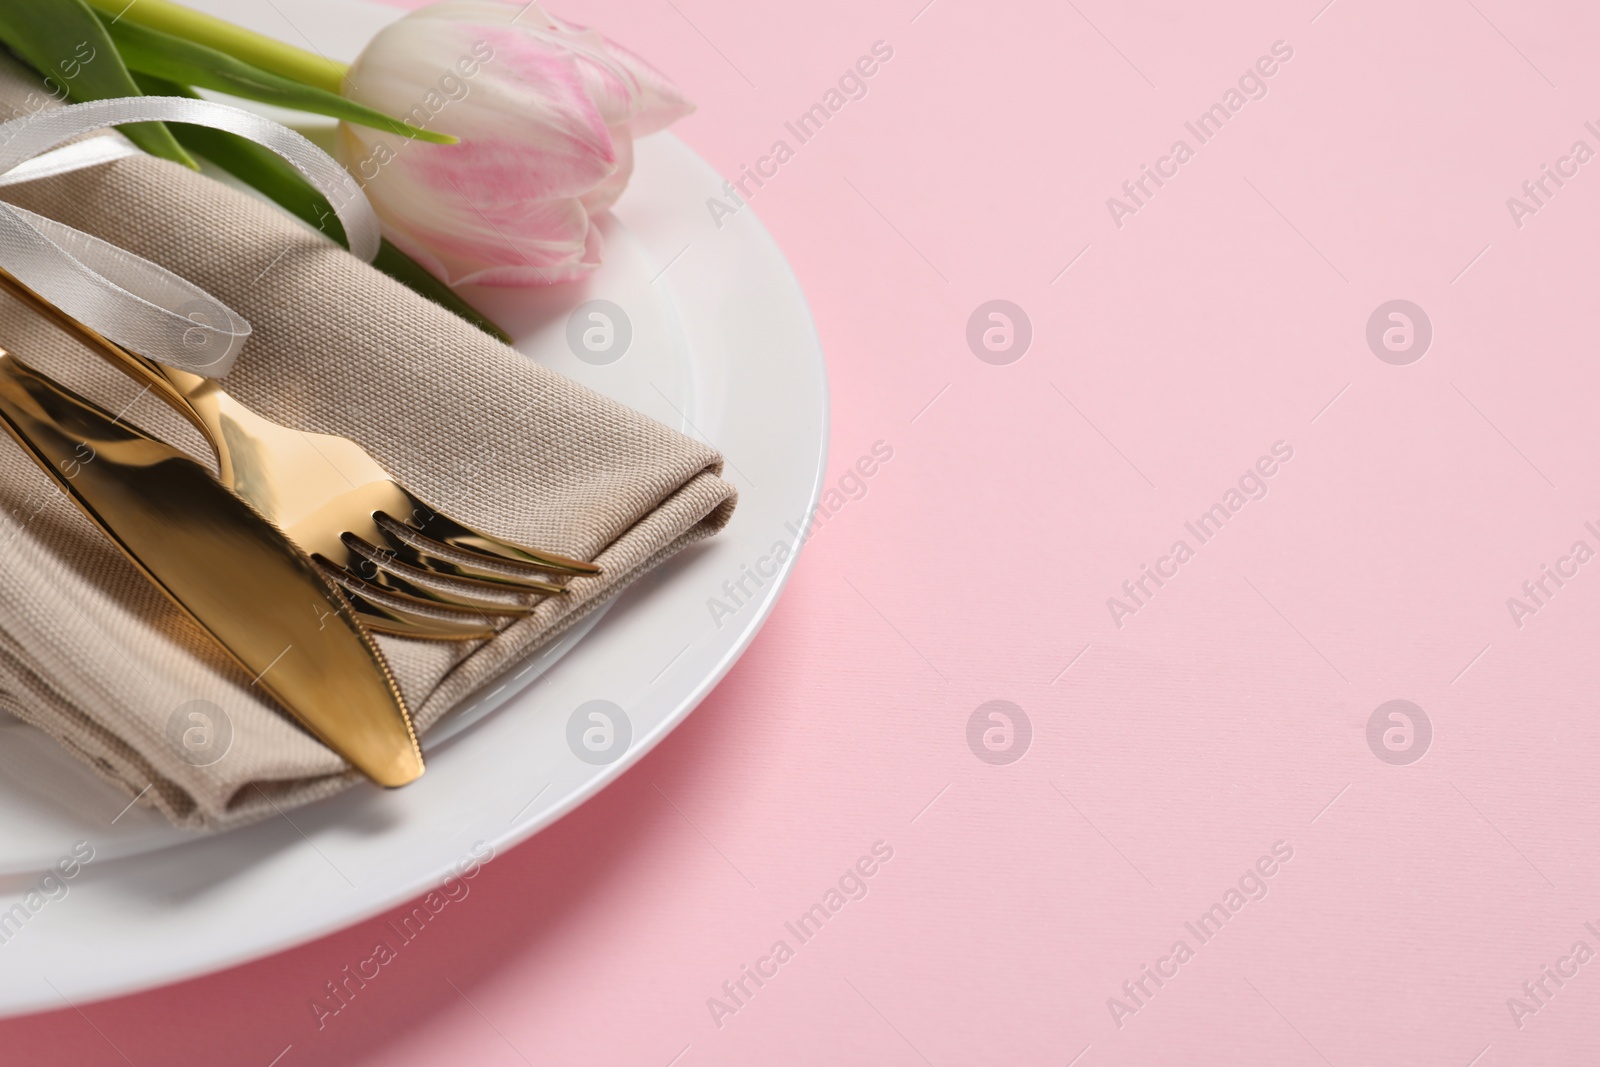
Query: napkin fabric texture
[[94, 655]]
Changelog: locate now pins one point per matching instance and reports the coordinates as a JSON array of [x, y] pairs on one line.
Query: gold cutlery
[[237, 576], [406, 569]]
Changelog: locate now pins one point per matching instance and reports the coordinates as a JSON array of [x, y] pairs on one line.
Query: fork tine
[[401, 554], [439, 528], [380, 615], [396, 588], [440, 577]]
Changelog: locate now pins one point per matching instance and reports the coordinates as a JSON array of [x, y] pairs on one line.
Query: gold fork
[[408, 569]]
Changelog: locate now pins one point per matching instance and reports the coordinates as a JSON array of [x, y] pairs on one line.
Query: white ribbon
[[71, 157], [134, 302]]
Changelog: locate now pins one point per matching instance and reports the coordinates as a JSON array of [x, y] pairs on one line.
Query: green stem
[[308, 68]]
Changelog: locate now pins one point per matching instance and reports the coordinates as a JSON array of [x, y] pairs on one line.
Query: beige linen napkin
[[91, 653]]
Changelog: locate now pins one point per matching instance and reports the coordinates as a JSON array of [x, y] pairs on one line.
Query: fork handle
[[142, 371]]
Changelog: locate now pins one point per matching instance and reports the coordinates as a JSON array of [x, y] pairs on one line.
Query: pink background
[[1228, 714]]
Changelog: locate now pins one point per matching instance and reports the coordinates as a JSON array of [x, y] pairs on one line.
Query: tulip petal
[[546, 112], [658, 103]]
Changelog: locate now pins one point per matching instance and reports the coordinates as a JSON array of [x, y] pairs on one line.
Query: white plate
[[724, 348]]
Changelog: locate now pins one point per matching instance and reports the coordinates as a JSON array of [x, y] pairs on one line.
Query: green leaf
[[174, 59], [65, 42], [268, 53], [268, 174]]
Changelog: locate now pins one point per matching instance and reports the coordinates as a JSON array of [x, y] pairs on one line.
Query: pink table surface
[[1174, 748]]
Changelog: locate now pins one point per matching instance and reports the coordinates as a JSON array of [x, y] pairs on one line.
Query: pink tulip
[[546, 113]]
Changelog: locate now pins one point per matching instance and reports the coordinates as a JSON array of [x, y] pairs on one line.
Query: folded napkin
[[92, 654]]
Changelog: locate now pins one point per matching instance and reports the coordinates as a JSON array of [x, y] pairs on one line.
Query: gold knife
[[230, 570]]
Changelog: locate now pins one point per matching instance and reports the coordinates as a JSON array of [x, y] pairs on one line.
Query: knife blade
[[227, 568]]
